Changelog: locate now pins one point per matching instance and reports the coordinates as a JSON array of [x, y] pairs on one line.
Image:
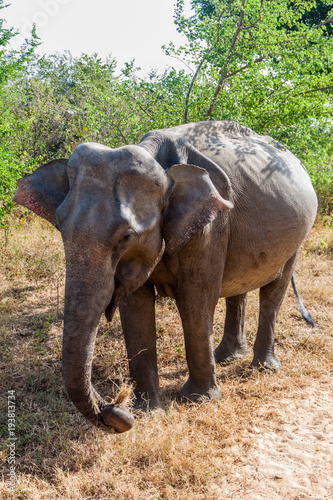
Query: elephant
[[194, 212]]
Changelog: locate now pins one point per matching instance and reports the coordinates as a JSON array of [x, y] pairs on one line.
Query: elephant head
[[118, 211]]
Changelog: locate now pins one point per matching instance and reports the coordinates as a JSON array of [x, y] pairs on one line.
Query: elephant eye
[[127, 236]]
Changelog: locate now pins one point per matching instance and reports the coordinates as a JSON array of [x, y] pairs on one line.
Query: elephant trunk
[[86, 297]]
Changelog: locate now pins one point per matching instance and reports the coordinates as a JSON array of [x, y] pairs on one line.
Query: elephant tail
[[306, 315]]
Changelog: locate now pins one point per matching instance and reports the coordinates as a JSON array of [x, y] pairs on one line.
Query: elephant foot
[[196, 393], [224, 355], [266, 362]]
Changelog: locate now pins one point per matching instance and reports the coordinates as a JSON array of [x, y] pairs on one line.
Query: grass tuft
[[124, 395]]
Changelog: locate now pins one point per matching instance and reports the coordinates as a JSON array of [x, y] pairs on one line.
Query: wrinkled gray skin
[[197, 212]]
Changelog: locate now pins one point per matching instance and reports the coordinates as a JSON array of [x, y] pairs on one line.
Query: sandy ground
[[292, 457]]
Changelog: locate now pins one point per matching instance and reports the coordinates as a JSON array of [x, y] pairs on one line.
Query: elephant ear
[[194, 202], [44, 190]]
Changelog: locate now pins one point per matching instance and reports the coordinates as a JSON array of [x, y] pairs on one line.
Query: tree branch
[[231, 48], [288, 91], [313, 90], [119, 130], [324, 22], [190, 89], [181, 60], [256, 21], [220, 18], [256, 61], [137, 102]]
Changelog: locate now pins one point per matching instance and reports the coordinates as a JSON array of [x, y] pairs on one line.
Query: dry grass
[[190, 451]]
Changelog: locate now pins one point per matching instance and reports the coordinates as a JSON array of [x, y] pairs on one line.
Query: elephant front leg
[[137, 314], [271, 297], [233, 344], [197, 314]]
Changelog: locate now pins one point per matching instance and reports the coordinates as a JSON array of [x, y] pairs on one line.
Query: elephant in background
[[196, 212]]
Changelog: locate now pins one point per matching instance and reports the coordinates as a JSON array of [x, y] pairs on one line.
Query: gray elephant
[[197, 212]]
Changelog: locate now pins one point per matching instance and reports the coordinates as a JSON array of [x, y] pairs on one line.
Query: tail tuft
[[306, 315]]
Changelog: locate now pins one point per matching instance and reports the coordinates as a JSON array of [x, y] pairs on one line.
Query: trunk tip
[[117, 416]]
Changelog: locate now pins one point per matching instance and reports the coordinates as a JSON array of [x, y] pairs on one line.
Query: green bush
[[50, 104], [322, 180]]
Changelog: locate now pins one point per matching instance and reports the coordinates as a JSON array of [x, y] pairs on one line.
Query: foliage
[[318, 14], [268, 63], [259, 61], [61, 101], [64, 101], [12, 65], [12, 61]]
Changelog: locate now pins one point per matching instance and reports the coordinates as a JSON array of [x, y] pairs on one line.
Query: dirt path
[[292, 456]]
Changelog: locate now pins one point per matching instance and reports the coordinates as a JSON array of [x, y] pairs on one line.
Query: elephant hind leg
[[271, 297], [233, 344]]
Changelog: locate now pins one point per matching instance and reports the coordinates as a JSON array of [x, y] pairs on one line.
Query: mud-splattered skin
[[197, 212]]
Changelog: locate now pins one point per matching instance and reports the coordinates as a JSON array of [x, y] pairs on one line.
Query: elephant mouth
[[118, 294], [129, 278]]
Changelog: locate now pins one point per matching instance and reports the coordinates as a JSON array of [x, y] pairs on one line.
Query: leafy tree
[[12, 64], [255, 53], [318, 14], [63, 101], [313, 17], [268, 65], [12, 61]]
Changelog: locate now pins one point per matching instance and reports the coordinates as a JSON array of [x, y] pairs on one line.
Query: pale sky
[[124, 29]]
